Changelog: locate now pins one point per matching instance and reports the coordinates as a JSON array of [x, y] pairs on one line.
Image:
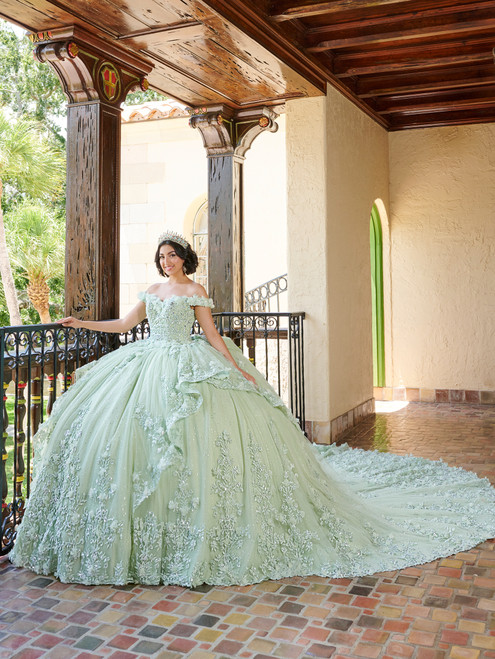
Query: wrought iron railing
[[37, 364], [261, 297], [274, 343]]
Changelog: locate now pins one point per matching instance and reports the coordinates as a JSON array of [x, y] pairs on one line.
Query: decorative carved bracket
[[229, 132], [89, 68]]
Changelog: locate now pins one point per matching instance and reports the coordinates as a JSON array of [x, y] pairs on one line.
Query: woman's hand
[[70, 321], [248, 376]]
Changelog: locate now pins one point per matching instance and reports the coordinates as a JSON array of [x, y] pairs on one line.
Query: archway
[[377, 306]]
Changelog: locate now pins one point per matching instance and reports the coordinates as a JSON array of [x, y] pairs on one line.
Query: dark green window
[[376, 253]]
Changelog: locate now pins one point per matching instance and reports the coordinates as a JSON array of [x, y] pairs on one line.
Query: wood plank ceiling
[[406, 63], [413, 62]]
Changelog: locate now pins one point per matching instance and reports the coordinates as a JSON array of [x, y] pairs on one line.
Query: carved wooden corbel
[[228, 132], [89, 68]]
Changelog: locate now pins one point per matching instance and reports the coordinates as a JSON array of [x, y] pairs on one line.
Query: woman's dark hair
[[187, 254]]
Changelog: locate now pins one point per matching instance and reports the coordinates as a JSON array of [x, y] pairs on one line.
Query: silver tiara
[[174, 237]]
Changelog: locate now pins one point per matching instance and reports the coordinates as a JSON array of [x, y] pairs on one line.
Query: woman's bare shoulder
[[197, 289]]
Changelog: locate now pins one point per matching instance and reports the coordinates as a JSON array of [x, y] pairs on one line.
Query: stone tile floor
[[445, 609]]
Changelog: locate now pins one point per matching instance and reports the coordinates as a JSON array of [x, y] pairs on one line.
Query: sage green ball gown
[[163, 464]]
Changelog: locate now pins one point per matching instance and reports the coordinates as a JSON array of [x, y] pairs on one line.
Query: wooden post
[[96, 77], [20, 439], [3, 457], [227, 135]]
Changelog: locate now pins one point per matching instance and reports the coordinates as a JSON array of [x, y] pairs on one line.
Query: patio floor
[[445, 609]]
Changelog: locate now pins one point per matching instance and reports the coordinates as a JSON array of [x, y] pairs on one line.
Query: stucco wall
[[443, 257], [265, 213], [357, 175], [337, 166], [307, 243]]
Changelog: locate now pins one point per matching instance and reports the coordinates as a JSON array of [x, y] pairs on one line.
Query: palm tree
[[30, 163], [36, 238]]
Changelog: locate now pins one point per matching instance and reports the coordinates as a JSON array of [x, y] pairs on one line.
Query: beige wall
[[265, 212], [357, 175], [307, 214], [337, 167], [163, 176], [442, 188]]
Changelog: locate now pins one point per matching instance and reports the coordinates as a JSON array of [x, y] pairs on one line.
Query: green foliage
[[28, 160], [28, 87], [136, 98], [36, 239], [30, 90], [29, 315], [32, 169]]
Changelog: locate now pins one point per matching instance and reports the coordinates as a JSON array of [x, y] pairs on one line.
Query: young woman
[[171, 460]]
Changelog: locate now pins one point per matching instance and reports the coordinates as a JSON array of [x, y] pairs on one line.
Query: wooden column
[[227, 135], [96, 77]]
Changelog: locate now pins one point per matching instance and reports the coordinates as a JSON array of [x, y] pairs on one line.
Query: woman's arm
[[130, 320], [205, 319]]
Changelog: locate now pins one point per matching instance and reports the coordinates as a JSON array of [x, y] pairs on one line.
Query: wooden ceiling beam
[[416, 97], [459, 78], [358, 61], [404, 19], [438, 119], [471, 100], [422, 30], [374, 67], [284, 45], [286, 11], [425, 87]]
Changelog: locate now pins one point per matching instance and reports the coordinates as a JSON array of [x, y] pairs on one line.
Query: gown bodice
[[171, 319]]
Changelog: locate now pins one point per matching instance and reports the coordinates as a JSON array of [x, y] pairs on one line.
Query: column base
[[327, 432]]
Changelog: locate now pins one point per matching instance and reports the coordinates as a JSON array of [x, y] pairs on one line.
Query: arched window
[[376, 254], [200, 243]]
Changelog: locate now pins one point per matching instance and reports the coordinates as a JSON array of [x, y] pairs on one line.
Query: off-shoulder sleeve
[[199, 301], [142, 296]]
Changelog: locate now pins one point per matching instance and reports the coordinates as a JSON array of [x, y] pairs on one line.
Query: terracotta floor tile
[[47, 641], [240, 634]]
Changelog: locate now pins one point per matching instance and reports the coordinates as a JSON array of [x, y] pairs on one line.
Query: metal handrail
[[258, 298]]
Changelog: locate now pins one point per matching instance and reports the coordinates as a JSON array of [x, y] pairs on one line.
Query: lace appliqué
[[284, 548], [182, 537], [227, 537], [102, 529], [66, 530]]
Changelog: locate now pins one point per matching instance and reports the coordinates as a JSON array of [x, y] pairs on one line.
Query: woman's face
[[170, 262]]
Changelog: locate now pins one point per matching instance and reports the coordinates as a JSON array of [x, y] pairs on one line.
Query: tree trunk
[[39, 294], [6, 274], [45, 316]]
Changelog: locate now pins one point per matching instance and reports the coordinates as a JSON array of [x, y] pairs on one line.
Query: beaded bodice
[[171, 319]]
